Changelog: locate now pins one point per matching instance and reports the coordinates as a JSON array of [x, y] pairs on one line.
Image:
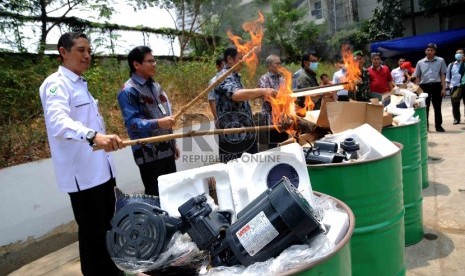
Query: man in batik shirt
[[234, 110], [272, 79]]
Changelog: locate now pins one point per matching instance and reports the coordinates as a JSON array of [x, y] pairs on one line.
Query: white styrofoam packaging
[[373, 144], [176, 188], [375, 140], [337, 224], [237, 183], [249, 174]]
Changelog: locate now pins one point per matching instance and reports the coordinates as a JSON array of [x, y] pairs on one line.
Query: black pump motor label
[[256, 234]]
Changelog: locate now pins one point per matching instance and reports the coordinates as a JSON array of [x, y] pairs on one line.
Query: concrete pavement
[[442, 250]]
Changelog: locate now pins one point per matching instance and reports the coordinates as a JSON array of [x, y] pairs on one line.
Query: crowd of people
[[74, 124]]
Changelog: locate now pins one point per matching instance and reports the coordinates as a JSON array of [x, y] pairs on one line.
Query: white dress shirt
[[453, 76], [339, 77], [398, 75], [70, 113]]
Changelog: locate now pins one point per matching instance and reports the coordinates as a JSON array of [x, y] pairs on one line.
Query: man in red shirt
[[380, 77]]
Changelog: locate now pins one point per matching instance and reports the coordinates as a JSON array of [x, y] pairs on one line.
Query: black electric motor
[[323, 152], [277, 219]]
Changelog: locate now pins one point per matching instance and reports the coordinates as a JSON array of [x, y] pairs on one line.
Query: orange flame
[[352, 66], [255, 30], [283, 107]]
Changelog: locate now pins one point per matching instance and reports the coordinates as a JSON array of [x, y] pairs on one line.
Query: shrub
[[24, 137]]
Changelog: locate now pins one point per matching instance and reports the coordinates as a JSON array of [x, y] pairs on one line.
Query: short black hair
[[323, 75], [137, 54], [432, 45], [67, 40], [306, 57], [230, 52]]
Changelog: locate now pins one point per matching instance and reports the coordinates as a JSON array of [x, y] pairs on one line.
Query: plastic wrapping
[[181, 252], [183, 256], [294, 257]]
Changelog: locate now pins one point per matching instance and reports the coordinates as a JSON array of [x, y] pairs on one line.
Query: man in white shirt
[[398, 74], [340, 77], [74, 125], [453, 78]]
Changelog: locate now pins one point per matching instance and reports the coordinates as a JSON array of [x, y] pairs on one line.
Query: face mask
[[458, 57], [313, 66]]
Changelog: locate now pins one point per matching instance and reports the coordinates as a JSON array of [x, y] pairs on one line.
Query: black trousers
[[456, 105], [150, 172], [93, 209], [434, 96], [229, 151]]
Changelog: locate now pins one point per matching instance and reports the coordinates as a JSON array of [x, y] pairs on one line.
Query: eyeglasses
[[151, 61]]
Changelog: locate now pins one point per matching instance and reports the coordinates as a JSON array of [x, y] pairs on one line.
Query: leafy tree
[[218, 17], [386, 22], [15, 14], [286, 29], [185, 9], [355, 35]]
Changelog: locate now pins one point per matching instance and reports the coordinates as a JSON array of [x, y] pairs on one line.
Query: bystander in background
[[453, 79], [430, 73]]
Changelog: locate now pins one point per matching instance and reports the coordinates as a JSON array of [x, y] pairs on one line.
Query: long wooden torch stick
[[193, 133], [312, 91], [214, 84]]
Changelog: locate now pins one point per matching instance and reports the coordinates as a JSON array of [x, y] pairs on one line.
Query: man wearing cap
[[430, 73], [408, 69]]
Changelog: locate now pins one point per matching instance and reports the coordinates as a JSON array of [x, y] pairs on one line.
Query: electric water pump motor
[[277, 219]]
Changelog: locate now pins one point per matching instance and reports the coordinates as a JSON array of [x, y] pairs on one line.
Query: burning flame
[[352, 66], [284, 109], [255, 30]]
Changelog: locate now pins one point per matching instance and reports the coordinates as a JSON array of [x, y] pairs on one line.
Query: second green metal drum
[[421, 112], [373, 190], [409, 137]]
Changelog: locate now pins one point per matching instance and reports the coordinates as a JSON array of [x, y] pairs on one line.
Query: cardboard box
[[340, 116], [349, 115], [387, 119]]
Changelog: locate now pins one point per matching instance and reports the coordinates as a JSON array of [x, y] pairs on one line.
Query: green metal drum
[[421, 112], [373, 190], [338, 263], [409, 137]]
